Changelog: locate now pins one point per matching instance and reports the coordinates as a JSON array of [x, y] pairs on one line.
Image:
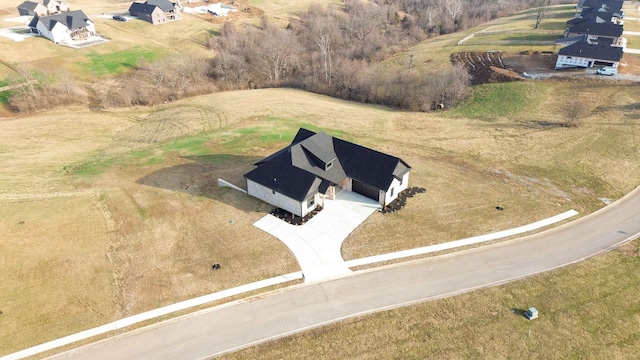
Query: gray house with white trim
[[63, 27], [156, 11], [315, 166], [589, 54]]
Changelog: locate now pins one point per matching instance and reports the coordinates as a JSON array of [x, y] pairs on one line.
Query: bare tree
[[454, 8], [574, 111], [542, 6], [322, 26], [363, 19], [277, 50]]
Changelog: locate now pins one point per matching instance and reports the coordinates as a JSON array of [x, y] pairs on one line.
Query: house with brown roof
[[316, 166]]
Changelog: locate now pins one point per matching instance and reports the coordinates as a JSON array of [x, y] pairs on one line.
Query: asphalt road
[[236, 325]]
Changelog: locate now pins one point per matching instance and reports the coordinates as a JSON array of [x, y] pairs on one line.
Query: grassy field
[[105, 214]]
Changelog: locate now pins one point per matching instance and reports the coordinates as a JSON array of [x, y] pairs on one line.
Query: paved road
[[236, 325]]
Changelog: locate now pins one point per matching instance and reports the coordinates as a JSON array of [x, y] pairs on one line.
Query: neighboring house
[[32, 8], [589, 54], [614, 6], [599, 18], [55, 6], [595, 30], [156, 11], [42, 8], [299, 177], [63, 27], [605, 15]]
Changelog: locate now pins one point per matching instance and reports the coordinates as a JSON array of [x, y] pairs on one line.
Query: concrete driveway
[[316, 244]]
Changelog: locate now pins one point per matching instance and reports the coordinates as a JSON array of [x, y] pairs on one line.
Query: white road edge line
[[148, 315]]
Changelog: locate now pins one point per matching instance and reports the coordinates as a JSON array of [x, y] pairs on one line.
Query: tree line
[[338, 51]]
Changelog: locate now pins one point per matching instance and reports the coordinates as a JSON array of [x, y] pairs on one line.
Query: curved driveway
[[239, 324]]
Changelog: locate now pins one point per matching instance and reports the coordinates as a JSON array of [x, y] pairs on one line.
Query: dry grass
[[156, 220], [108, 214], [587, 311]]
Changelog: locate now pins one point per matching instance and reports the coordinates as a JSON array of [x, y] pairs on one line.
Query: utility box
[[531, 313]]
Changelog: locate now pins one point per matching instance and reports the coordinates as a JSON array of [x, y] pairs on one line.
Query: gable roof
[[596, 17], [137, 8], [303, 169], [165, 5], [28, 5], [72, 19], [601, 12], [609, 5], [601, 51], [598, 29]]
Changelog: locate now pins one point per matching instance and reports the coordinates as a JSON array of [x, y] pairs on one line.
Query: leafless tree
[[574, 110], [542, 6], [363, 19], [277, 51]]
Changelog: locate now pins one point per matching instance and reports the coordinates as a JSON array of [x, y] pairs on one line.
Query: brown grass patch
[[157, 221]]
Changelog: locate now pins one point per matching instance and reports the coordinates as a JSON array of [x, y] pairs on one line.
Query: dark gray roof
[[299, 170], [314, 154], [72, 19], [610, 5], [592, 17], [28, 5], [600, 51], [140, 8], [600, 12], [150, 5], [165, 5], [597, 29]]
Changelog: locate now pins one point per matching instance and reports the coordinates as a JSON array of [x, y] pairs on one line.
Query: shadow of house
[[519, 312], [200, 178]]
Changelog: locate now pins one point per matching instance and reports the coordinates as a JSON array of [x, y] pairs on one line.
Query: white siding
[[572, 61], [275, 198], [58, 34], [397, 187], [306, 207]]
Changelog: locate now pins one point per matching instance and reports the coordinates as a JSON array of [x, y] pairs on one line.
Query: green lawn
[[491, 101], [116, 62]]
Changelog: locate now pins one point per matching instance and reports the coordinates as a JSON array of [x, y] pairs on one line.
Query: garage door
[[366, 190]]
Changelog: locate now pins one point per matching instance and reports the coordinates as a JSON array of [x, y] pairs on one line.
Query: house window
[[391, 193], [273, 192], [328, 165], [311, 202]]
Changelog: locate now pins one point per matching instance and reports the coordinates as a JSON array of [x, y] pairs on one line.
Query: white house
[[315, 166], [588, 54], [63, 27]]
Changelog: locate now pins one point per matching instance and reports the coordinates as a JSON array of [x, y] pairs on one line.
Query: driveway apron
[[317, 243]]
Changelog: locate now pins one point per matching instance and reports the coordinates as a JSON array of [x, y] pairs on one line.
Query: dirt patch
[[499, 67], [530, 61], [485, 67], [245, 11]]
